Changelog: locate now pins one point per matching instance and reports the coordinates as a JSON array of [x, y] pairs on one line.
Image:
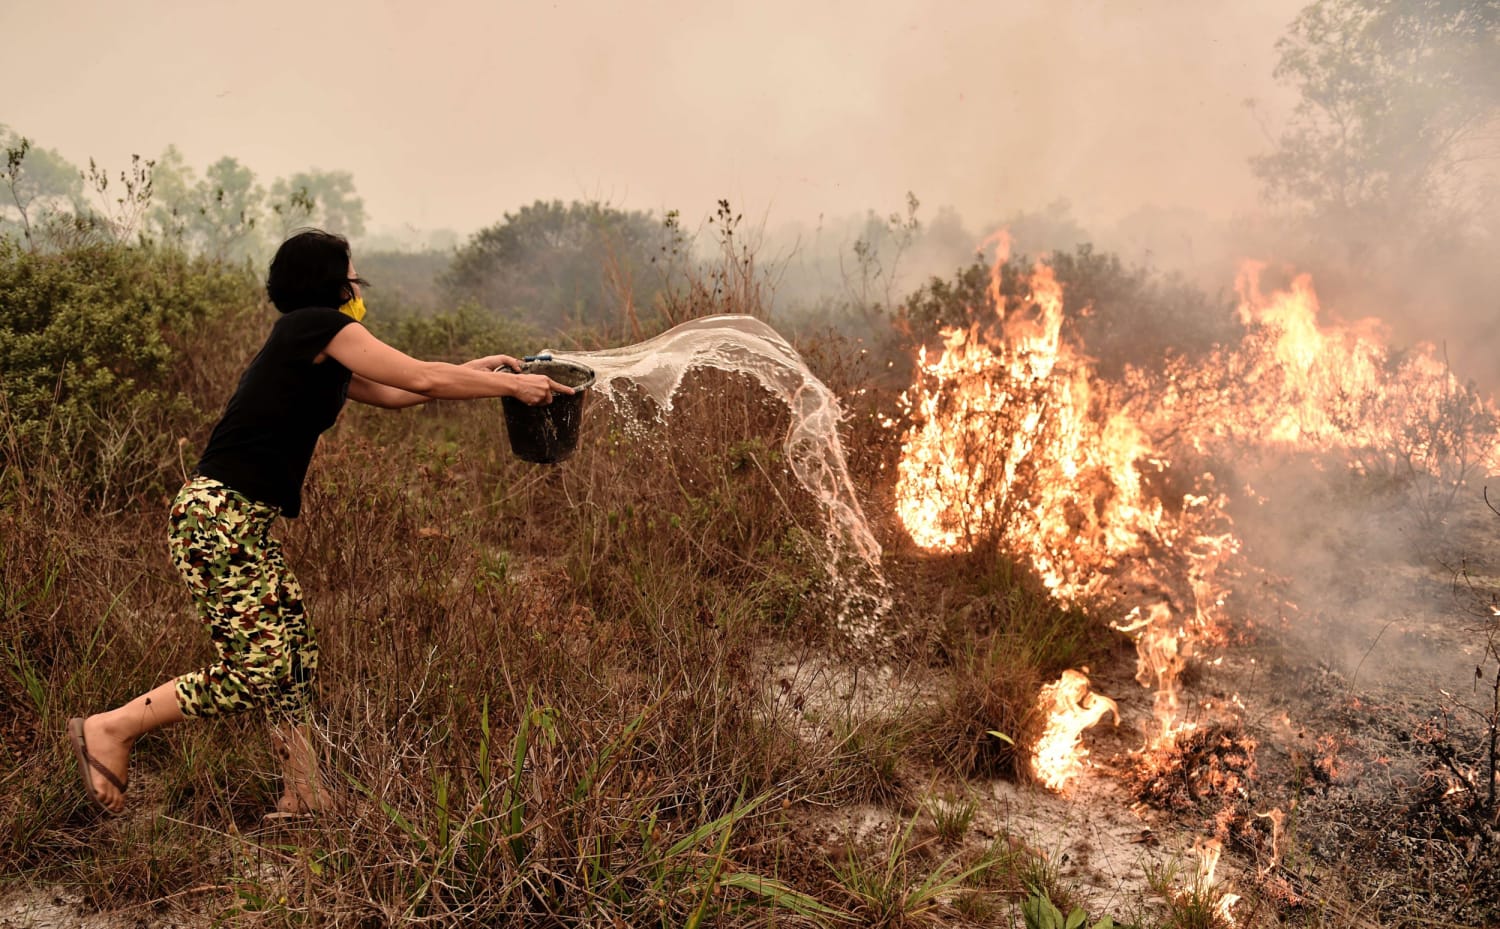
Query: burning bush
[[1126, 316], [1017, 443]]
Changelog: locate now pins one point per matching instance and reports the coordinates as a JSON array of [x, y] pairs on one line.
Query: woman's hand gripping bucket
[[548, 433]]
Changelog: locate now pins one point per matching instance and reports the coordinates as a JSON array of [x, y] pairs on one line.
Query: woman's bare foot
[[291, 804], [110, 748], [303, 792], [108, 737]]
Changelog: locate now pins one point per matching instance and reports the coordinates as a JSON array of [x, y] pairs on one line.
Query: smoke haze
[[804, 115], [450, 114]]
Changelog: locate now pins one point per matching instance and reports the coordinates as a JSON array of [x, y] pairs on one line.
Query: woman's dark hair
[[310, 269]]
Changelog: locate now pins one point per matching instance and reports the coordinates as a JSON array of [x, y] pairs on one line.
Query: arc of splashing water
[[746, 345]]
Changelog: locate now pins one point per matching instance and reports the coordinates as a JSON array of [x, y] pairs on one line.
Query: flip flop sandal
[[87, 761]]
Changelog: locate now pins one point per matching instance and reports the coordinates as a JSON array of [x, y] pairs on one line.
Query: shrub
[[1007, 641], [557, 266], [96, 381], [457, 335]]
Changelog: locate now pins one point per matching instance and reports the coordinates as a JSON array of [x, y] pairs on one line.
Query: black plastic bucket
[[548, 432]]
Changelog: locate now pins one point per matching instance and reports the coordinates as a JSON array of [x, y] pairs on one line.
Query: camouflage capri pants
[[221, 543]]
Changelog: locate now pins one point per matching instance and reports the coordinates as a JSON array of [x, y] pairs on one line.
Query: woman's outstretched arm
[[364, 390], [377, 365]]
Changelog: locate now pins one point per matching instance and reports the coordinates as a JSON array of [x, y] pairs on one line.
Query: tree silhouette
[[1400, 100]]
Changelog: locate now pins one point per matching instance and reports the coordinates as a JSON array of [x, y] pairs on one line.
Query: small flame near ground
[[1278, 824], [1204, 886], [1071, 708]]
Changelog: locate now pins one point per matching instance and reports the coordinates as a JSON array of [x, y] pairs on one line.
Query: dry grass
[[545, 695], [540, 700]]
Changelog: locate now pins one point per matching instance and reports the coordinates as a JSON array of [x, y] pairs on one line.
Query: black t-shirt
[[265, 439]]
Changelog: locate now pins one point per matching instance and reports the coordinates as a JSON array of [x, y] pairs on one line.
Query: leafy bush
[[556, 266], [95, 380], [466, 332]]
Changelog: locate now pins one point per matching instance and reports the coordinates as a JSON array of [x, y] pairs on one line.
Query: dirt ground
[[58, 908]]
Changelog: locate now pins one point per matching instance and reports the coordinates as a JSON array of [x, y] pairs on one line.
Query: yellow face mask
[[354, 309]]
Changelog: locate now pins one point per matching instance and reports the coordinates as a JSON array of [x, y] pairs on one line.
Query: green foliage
[[38, 183], [463, 333], [952, 816], [944, 303], [39, 186], [86, 344], [1394, 97], [325, 199], [553, 266], [895, 885], [40, 172], [1198, 905], [174, 186], [118, 213], [1041, 913], [1136, 316], [228, 214], [220, 214], [870, 758]]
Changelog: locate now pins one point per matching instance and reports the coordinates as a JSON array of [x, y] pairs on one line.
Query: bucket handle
[[544, 356]]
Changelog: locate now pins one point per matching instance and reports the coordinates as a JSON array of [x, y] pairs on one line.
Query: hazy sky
[[449, 114]]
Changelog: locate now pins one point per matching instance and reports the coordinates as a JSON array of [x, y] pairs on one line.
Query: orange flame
[[1015, 442], [1072, 707], [1295, 385], [1278, 825], [1163, 649], [1009, 440], [1209, 851]]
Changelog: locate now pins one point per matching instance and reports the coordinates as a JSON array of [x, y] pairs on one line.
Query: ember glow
[[1015, 442]]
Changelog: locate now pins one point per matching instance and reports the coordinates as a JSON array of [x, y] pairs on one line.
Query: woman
[[316, 356]]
